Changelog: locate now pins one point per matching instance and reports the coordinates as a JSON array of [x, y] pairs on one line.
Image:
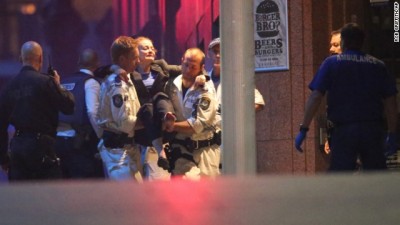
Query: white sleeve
[[258, 98], [92, 92], [204, 112]]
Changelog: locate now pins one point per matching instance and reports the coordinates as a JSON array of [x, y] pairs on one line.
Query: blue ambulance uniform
[[356, 84]]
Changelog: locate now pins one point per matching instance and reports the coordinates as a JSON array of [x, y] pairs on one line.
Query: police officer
[[31, 102], [78, 134], [117, 112], [195, 148], [215, 72], [358, 90], [214, 52]]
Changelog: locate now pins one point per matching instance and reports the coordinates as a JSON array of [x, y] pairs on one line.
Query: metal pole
[[237, 74]]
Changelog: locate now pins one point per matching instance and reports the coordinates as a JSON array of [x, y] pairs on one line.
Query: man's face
[[147, 52], [130, 61], [335, 45], [214, 54], [191, 65]]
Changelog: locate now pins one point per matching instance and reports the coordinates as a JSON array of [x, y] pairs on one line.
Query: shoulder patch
[[117, 81], [117, 100], [204, 103]]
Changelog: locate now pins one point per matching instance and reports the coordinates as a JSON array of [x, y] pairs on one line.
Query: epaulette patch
[[117, 81]]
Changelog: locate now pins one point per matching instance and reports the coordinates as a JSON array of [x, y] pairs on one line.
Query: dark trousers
[[362, 139], [152, 115], [32, 158], [78, 162]]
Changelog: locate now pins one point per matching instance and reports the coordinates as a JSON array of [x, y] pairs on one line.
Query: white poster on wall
[[271, 35]]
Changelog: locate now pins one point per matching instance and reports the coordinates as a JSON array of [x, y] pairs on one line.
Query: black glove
[[163, 163]]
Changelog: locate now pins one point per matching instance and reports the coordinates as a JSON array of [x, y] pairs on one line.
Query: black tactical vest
[[76, 85]]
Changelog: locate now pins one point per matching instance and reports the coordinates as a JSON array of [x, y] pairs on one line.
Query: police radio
[[50, 69]]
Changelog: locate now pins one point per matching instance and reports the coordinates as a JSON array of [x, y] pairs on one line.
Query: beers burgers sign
[[271, 35]]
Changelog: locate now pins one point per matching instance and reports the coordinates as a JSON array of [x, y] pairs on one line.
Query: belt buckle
[[196, 145]]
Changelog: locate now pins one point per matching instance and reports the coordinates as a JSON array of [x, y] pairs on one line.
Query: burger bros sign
[[271, 35]]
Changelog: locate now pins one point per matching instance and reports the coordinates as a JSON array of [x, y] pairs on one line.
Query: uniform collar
[[27, 67], [214, 78], [86, 71], [178, 82]]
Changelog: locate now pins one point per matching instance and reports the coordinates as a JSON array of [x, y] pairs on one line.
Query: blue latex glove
[[300, 138], [391, 144]]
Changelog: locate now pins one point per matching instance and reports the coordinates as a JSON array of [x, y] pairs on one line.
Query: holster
[[79, 140], [82, 135], [50, 162], [218, 137], [329, 129], [46, 143], [114, 140], [50, 159], [174, 154]]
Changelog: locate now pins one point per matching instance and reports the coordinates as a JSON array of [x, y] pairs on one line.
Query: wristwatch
[[303, 128]]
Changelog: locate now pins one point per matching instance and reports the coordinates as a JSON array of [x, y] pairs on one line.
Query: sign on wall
[[271, 35]]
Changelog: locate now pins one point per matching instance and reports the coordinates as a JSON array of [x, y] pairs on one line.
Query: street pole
[[237, 80]]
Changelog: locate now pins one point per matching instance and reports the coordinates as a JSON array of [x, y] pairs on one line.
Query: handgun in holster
[[218, 137], [50, 158], [329, 129], [171, 156]]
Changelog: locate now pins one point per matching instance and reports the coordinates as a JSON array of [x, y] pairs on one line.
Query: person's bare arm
[[181, 127], [311, 107]]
